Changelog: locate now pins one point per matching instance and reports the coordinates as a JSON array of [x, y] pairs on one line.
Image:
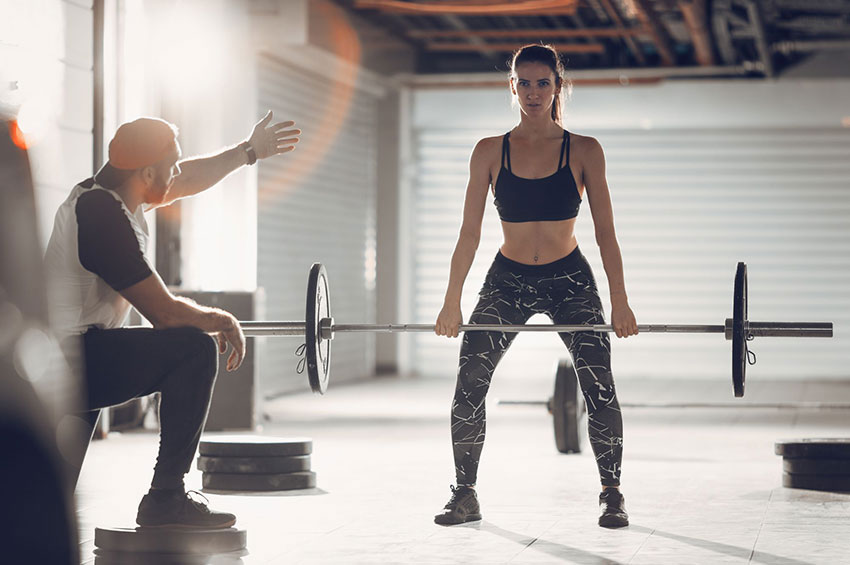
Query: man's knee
[[203, 349]]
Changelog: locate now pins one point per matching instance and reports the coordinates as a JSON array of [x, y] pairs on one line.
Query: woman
[[539, 269]]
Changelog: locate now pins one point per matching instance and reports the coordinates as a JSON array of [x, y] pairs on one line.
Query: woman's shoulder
[[579, 140], [490, 143], [584, 144], [488, 147]]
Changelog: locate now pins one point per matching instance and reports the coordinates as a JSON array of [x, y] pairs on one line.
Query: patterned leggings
[[564, 290]]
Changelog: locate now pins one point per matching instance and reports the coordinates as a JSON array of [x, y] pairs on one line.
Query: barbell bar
[[319, 329], [755, 329]]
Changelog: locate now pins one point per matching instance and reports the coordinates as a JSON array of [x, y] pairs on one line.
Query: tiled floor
[[702, 484]]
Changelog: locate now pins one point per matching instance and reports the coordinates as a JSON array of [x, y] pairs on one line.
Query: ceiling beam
[[694, 13], [614, 15], [512, 46], [484, 8], [647, 14], [512, 33]]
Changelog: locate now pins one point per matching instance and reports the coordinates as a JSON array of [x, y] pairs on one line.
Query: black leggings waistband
[[573, 260]]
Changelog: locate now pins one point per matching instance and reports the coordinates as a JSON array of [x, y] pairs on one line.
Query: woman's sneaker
[[613, 507], [177, 509], [462, 507]]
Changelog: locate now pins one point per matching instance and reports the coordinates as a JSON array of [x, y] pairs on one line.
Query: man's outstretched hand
[[268, 140]]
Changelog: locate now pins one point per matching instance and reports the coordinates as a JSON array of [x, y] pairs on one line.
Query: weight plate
[[739, 337], [170, 540], [259, 482], [254, 464], [827, 448], [255, 446], [569, 413], [831, 483], [103, 557], [804, 466], [318, 349]]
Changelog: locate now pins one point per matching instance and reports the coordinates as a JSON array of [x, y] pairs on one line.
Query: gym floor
[[702, 485]]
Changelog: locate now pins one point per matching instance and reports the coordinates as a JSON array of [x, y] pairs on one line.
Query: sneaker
[[462, 507], [177, 509], [613, 507]]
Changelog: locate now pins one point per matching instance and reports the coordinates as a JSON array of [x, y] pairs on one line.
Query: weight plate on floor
[[739, 328], [803, 466], [569, 413], [170, 540], [255, 446], [254, 464], [318, 348], [259, 482], [831, 483], [826, 448], [150, 558]]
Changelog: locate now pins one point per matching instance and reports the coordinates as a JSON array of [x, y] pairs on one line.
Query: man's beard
[[159, 190]]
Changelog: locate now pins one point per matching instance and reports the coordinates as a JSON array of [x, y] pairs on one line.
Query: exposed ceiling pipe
[[757, 22], [787, 47]]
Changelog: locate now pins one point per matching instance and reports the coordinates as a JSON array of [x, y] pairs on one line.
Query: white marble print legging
[[564, 290]]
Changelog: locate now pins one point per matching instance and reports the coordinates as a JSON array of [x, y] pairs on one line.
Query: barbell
[[319, 329]]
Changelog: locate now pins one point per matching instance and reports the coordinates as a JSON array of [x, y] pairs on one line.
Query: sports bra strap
[[506, 151], [565, 144]]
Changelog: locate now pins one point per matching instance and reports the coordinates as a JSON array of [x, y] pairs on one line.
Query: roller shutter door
[[688, 204]]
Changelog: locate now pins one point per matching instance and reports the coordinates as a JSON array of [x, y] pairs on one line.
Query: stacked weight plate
[[256, 463], [168, 546], [816, 464]]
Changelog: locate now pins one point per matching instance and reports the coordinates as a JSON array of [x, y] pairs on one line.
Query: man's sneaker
[[177, 509], [462, 507], [613, 507]]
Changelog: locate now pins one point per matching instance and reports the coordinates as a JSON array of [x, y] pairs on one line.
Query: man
[[96, 266]]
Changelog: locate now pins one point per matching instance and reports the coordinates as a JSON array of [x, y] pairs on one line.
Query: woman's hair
[[546, 55]]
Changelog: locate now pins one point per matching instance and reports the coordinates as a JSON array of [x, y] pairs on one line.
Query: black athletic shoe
[[177, 509], [613, 507], [462, 507]]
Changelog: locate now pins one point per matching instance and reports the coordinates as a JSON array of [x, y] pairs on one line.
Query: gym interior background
[[726, 126]]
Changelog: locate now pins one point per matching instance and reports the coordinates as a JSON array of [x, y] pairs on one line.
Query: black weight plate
[[739, 338], [254, 464], [826, 448], [831, 483], [255, 446], [569, 413], [170, 540], [259, 482], [318, 349], [803, 466]]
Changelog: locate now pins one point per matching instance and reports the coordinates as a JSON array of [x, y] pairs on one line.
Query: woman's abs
[[537, 243]]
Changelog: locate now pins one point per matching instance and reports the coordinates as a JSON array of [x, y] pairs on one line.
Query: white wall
[[46, 50]]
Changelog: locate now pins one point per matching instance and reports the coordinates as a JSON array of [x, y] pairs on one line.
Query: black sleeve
[[106, 242]]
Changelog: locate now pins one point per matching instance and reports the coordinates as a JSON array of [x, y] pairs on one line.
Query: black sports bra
[[551, 198]]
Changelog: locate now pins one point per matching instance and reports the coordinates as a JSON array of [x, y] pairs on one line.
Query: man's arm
[[200, 173], [164, 310]]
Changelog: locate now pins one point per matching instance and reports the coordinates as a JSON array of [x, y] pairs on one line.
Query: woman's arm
[[470, 234], [599, 197]]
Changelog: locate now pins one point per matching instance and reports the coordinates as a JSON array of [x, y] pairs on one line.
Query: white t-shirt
[[97, 249]]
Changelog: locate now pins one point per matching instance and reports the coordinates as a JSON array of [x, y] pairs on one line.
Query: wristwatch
[[252, 155]]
